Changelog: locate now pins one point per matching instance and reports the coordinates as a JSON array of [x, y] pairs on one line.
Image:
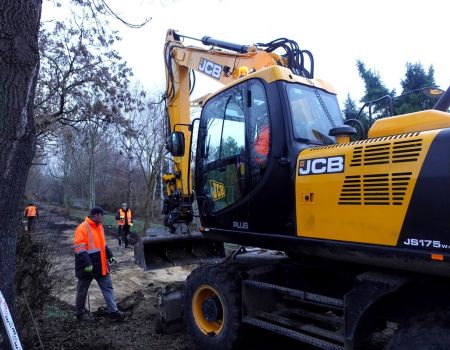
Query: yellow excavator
[[364, 225]]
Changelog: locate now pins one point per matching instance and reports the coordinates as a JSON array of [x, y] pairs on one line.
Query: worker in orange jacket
[[124, 219], [261, 145], [91, 262], [31, 214]]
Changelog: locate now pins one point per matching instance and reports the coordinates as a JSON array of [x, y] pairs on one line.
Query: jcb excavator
[[364, 225]]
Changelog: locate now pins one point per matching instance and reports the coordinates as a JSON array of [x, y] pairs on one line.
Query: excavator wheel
[[213, 306], [428, 331]]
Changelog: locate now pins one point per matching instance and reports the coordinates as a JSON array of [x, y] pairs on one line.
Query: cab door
[[222, 152], [235, 158]]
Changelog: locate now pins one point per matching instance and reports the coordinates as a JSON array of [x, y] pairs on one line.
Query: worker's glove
[[112, 260], [88, 269]]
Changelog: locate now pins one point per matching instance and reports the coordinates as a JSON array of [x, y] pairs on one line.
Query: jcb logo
[[217, 190], [321, 165], [210, 68]]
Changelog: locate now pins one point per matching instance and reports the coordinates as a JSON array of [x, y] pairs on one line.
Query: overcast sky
[[385, 34]]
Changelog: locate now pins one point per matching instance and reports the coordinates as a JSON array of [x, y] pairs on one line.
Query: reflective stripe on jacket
[[31, 210], [122, 215], [90, 249]]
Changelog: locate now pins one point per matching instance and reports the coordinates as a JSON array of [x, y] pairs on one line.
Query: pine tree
[[412, 99], [350, 111], [374, 89]]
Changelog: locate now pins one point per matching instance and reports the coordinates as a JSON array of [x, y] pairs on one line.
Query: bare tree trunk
[[130, 180], [19, 67], [146, 209], [66, 168], [92, 146]]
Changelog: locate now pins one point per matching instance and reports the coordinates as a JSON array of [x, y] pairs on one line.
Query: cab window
[[313, 113], [260, 136], [223, 149]]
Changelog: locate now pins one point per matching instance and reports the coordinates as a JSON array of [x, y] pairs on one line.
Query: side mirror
[[342, 133], [175, 144]]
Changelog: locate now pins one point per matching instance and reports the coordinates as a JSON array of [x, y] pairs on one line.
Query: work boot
[[85, 316], [117, 316]]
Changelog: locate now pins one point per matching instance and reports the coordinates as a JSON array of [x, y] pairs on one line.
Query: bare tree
[[19, 61], [78, 63], [147, 135]]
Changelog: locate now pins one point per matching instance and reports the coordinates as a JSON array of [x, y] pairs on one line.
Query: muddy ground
[[136, 293]]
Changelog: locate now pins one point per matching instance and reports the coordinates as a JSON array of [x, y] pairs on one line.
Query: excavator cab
[[249, 139]]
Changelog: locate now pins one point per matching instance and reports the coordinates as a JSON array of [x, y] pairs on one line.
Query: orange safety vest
[[121, 221], [262, 144], [90, 238], [31, 210]]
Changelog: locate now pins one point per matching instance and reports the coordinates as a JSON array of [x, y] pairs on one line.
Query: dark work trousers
[[105, 284], [31, 222], [122, 234]]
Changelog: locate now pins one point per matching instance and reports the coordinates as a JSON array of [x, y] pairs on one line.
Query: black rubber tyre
[[222, 284], [429, 331]]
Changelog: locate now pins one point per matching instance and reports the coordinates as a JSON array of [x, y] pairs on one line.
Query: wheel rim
[[201, 294]]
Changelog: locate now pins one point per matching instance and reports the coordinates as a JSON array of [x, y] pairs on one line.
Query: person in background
[[31, 215], [91, 262], [124, 219]]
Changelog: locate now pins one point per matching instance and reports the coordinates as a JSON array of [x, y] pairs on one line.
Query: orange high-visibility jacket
[[262, 144], [31, 210], [90, 249], [121, 217]]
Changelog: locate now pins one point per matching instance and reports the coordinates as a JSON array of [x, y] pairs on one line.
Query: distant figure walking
[[31, 214], [124, 219], [91, 262]]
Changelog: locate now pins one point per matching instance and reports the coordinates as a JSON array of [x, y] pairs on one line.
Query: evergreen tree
[[350, 111], [412, 98], [374, 89]]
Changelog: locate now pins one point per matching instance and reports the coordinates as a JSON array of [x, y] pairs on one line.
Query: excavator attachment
[[161, 249]]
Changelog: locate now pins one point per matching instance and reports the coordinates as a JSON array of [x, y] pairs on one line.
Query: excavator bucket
[[160, 249]]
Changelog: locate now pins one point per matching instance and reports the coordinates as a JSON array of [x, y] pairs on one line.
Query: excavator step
[[309, 317], [293, 334], [298, 294], [330, 319], [301, 326]]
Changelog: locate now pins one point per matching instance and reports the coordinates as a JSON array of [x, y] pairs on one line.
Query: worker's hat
[[96, 210]]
